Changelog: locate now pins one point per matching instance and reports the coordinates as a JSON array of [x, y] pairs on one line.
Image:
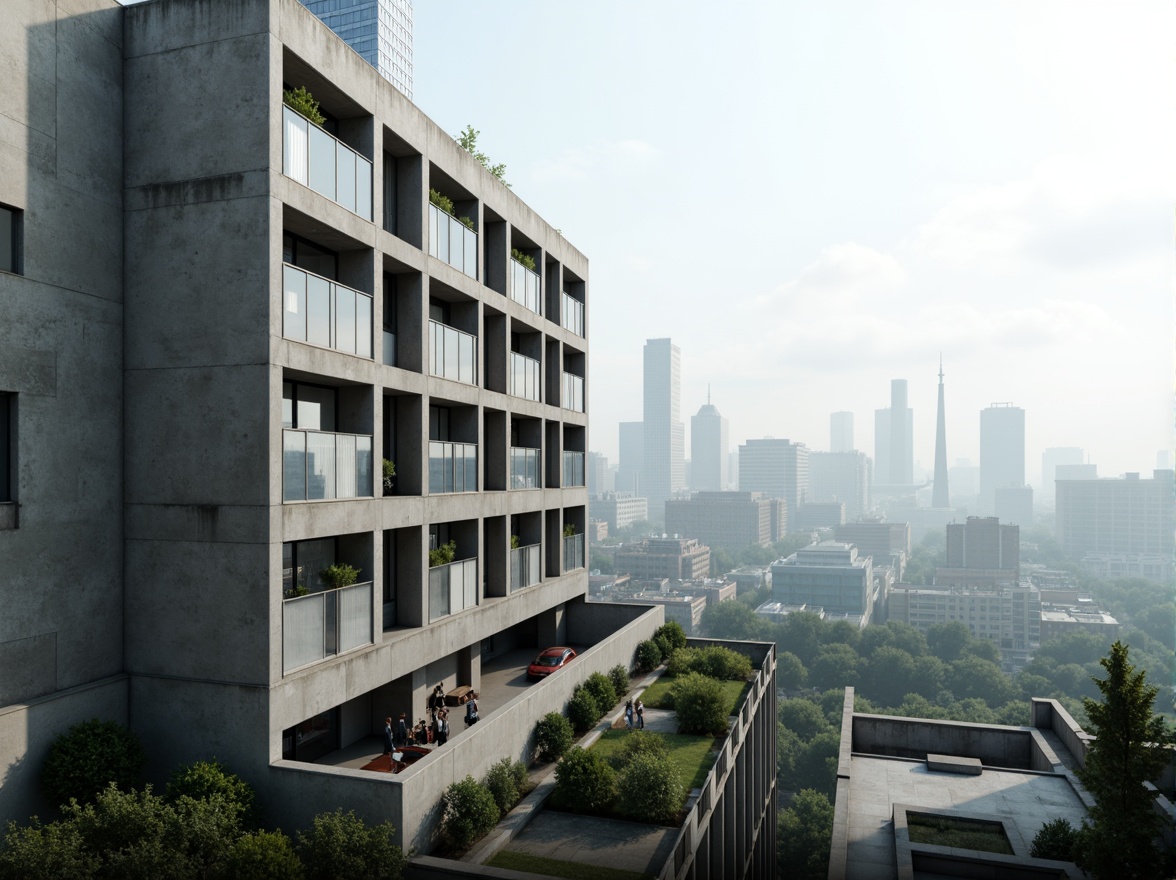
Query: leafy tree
[[264, 855], [600, 686], [803, 835], [203, 779], [341, 844], [468, 141], [619, 676], [836, 666], [801, 634], [553, 736], [1055, 840], [469, 812], [584, 779], [53, 850], [674, 634], [972, 677], [732, 620], [505, 781], [816, 766], [930, 673], [947, 641], [804, 718], [649, 655], [790, 672], [84, 760], [582, 710], [1031, 686], [788, 749], [649, 788], [841, 632], [889, 674], [699, 704], [1127, 752]]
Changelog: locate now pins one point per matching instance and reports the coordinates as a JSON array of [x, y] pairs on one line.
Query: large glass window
[[301, 563], [309, 407]]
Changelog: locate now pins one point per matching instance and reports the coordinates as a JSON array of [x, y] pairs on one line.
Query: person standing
[[442, 727], [629, 714], [640, 707], [389, 745], [401, 731], [471, 717], [436, 701]]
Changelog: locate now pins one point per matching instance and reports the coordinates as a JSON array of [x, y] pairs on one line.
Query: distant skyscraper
[[777, 468], [1050, 459], [841, 432], [894, 431], [841, 476], [664, 471], [632, 458], [1002, 451], [939, 494], [708, 449], [379, 30]]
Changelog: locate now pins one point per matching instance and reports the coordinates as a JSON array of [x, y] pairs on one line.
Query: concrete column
[[469, 665], [552, 627]]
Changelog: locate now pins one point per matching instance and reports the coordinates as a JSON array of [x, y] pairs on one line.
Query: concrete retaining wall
[[996, 746]]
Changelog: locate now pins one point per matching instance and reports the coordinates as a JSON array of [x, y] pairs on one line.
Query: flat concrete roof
[[1027, 799]]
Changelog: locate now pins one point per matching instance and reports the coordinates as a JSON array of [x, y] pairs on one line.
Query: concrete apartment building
[[1123, 527], [619, 509], [844, 477], [676, 559], [732, 520], [218, 320], [829, 575], [776, 468], [885, 542], [380, 31], [981, 552], [1010, 614]]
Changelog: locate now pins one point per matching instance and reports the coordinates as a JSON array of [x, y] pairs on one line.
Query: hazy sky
[[814, 198]]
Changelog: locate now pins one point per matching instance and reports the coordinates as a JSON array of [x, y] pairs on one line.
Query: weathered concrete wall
[[914, 737]]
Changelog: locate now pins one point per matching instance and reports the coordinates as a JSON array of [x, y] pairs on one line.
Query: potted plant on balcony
[[569, 530], [295, 591], [446, 204], [389, 476], [339, 575], [519, 257], [301, 101], [442, 555], [514, 542]]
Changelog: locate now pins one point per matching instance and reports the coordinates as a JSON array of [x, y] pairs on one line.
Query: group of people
[[435, 731], [635, 714]]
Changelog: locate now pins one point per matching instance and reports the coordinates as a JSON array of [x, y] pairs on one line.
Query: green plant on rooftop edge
[[302, 101]]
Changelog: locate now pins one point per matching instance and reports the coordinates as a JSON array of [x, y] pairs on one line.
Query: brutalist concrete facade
[[163, 509]]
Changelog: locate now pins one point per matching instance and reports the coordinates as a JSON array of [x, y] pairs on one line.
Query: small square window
[[10, 239]]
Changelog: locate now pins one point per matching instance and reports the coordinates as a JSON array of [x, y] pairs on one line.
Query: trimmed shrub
[[54, 850], [505, 782], [649, 789], [663, 645], [585, 780], [264, 855], [553, 736], [636, 744], [681, 661], [341, 845], [91, 755], [699, 704], [582, 710], [619, 676], [470, 811], [600, 686], [649, 655], [723, 664], [673, 633], [203, 779], [1056, 840]]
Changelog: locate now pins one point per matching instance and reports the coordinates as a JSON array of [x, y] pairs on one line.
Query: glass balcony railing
[[573, 392], [524, 286], [325, 164], [525, 566], [324, 624], [524, 468], [572, 314], [453, 354], [390, 348], [453, 467], [573, 552], [317, 465], [452, 588], [321, 312], [452, 242], [525, 377], [573, 469]]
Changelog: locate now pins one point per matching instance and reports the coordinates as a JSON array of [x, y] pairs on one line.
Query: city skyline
[[837, 195]]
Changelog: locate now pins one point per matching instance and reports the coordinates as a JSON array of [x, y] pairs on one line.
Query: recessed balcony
[[453, 353], [524, 468], [322, 312], [573, 552], [525, 286], [525, 377], [573, 392], [573, 469], [453, 467], [572, 314], [320, 465], [324, 624], [324, 163], [452, 242], [452, 588], [526, 566]]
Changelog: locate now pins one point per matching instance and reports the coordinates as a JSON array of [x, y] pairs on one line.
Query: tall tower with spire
[[939, 494]]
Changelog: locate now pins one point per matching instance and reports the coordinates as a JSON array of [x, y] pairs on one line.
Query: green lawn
[[513, 861], [658, 693], [961, 833], [691, 756]]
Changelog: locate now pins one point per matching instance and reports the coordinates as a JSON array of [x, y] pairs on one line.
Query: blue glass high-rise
[[379, 30]]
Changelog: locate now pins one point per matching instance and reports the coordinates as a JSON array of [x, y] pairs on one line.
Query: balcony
[[573, 553], [452, 242], [525, 566], [524, 468], [453, 467], [524, 286], [324, 163], [572, 314], [525, 377], [573, 469], [452, 588], [389, 348], [453, 354], [573, 392], [324, 624], [317, 465], [321, 312]]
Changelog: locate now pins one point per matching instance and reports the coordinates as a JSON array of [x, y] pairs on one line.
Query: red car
[[549, 661]]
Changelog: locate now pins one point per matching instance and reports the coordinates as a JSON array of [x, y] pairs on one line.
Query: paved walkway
[[589, 840]]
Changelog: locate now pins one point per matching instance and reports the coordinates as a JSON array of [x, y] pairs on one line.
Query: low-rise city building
[[618, 510], [830, 575], [672, 558], [732, 520]]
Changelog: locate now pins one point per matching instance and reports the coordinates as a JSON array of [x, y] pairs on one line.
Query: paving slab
[[590, 840]]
